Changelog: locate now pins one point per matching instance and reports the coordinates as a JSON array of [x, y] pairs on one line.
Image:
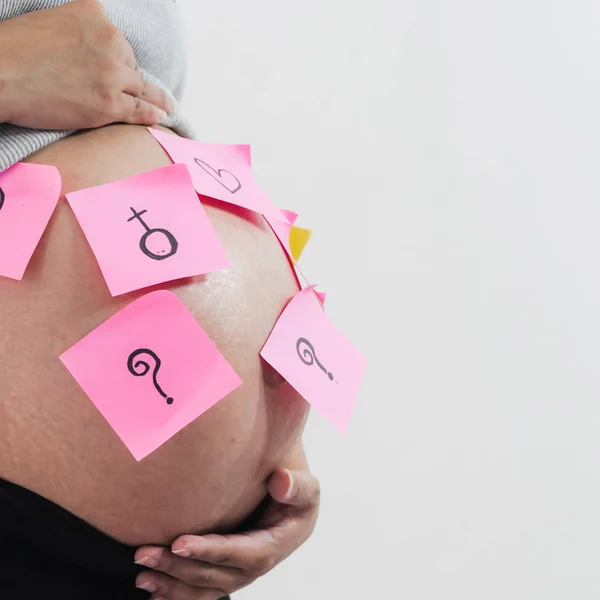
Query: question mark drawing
[[173, 243], [217, 176], [2, 196], [309, 357], [132, 366]]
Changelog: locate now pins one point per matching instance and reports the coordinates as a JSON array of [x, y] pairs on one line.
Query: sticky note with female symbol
[[28, 196], [316, 359], [148, 229], [150, 370], [221, 171]]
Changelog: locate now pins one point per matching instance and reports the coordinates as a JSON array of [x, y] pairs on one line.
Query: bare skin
[[211, 475]]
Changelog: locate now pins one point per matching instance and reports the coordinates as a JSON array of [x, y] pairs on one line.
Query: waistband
[[45, 551]]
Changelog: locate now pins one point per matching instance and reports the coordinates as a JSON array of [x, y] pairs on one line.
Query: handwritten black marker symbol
[[132, 366], [308, 355], [161, 254], [2, 196], [218, 176]]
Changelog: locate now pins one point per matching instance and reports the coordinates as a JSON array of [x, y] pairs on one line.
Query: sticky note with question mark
[[304, 283], [220, 171], [148, 229], [150, 369], [29, 194], [316, 359]]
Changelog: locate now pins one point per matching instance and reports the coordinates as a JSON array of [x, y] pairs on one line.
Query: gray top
[[155, 31]]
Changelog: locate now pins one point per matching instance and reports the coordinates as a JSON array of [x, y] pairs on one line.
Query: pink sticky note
[[28, 196], [306, 285], [148, 229], [281, 227], [315, 358], [321, 296], [289, 216], [150, 370], [220, 171], [246, 151]]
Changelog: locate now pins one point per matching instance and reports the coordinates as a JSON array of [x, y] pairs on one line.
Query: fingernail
[[290, 489], [171, 105], [147, 587], [161, 115], [147, 561], [183, 553]]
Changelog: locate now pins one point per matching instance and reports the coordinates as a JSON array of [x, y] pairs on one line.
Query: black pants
[[46, 552]]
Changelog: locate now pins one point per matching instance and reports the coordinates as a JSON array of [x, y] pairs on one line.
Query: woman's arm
[[70, 68]]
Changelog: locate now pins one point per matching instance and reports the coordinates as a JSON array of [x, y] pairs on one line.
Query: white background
[[447, 156]]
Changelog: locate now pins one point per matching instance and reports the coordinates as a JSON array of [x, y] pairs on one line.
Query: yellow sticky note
[[298, 239]]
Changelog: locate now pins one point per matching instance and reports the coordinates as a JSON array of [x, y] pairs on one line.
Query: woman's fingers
[[82, 86], [295, 488], [153, 94], [143, 102], [135, 85], [213, 562], [163, 587], [254, 552], [192, 572], [140, 112]]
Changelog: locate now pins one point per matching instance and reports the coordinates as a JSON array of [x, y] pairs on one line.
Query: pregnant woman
[[228, 497]]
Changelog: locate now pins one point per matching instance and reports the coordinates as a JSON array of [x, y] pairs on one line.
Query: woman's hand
[[70, 68], [211, 566]]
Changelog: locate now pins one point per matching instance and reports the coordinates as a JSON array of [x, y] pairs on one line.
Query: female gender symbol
[[2, 196], [145, 368], [309, 357], [173, 243]]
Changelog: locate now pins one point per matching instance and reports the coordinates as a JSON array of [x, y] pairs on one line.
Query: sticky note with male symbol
[[148, 229], [150, 370], [220, 171], [315, 358]]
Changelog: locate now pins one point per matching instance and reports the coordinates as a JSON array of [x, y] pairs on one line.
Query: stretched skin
[[210, 476]]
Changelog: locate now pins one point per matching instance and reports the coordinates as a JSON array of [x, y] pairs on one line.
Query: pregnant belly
[[211, 475]]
